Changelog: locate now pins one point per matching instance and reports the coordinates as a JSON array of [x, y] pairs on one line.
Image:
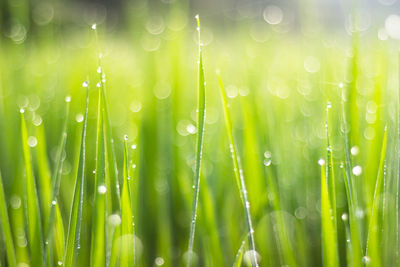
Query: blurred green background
[[281, 62]]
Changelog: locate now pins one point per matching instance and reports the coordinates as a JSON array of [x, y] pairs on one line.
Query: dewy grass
[[98, 244], [5, 228], [201, 116], [239, 176], [74, 229], [35, 231]]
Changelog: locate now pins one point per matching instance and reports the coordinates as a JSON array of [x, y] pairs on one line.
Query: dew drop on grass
[[321, 162], [94, 27], [329, 105], [133, 166], [79, 117], [85, 84], [366, 260], [355, 150], [22, 110], [32, 141], [114, 220], [102, 189], [249, 257], [159, 261], [98, 84], [345, 217], [59, 263], [133, 146], [357, 170], [53, 202], [126, 137], [99, 70], [94, 171], [68, 99], [340, 85], [267, 162]]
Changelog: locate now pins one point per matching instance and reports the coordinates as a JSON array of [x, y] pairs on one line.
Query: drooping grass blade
[[98, 243], [201, 115], [239, 175], [74, 229], [373, 246], [5, 228], [35, 234]]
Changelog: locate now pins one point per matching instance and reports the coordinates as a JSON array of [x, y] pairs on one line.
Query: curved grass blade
[[35, 233], [71, 253], [238, 174], [201, 115], [98, 244], [373, 246], [328, 205], [5, 228]]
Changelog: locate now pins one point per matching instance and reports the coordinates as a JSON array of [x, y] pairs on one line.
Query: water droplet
[[267, 154], [126, 137], [133, 146], [68, 99], [99, 69], [114, 220], [32, 141], [345, 217], [366, 260], [359, 213], [357, 170], [355, 150], [53, 202], [247, 204], [79, 117], [321, 162], [341, 165], [273, 14], [102, 189], [98, 84], [159, 261], [94, 27], [94, 171], [22, 111], [85, 84], [340, 85], [133, 166], [59, 263], [197, 16], [251, 257], [267, 162], [328, 105]]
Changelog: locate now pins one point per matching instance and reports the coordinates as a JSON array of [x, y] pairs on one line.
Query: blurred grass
[[277, 84]]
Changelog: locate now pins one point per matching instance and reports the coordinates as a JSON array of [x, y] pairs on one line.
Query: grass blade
[[98, 251], [127, 224], [238, 174], [5, 228], [71, 253], [201, 115], [373, 246], [328, 206], [35, 233]]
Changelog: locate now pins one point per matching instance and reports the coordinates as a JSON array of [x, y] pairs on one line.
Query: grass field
[[266, 144]]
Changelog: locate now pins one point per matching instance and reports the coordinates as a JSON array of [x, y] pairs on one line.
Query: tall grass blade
[[373, 246], [239, 175], [201, 115], [35, 234], [54, 222], [98, 243], [127, 225], [328, 206], [74, 229], [5, 229]]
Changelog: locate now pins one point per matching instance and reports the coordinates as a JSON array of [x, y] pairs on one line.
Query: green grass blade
[[127, 225], [238, 174], [201, 115], [98, 244], [54, 223], [328, 206], [35, 233], [74, 229], [373, 246], [5, 228]]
